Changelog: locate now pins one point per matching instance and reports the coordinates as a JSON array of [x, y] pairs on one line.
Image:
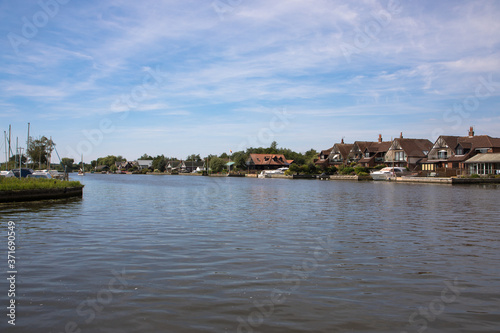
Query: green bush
[[380, 166], [331, 170], [360, 169], [475, 175], [363, 174], [347, 171]]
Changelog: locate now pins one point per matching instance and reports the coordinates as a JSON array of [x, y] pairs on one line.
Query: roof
[[343, 148], [268, 159], [415, 147], [485, 158]]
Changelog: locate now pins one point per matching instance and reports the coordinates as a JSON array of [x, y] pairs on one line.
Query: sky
[[206, 77]]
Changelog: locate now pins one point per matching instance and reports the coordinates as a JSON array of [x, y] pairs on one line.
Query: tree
[[68, 163], [216, 164], [39, 150], [145, 157], [159, 163], [16, 158], [108, 160], [194, 157], [224, 155]]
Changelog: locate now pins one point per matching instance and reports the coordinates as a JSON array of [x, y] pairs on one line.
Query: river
[[143, 253]]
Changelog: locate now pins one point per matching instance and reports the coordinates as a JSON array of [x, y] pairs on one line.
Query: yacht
[[389, 172]]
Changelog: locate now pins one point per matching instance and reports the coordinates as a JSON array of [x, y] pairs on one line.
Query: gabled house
[[192, 166], [449, 153], [322, 159], [124, 166], [340, 153], [407, 152], [267, 161], [369, 153]]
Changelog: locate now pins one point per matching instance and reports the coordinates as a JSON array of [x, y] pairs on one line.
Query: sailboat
[[81, 172]]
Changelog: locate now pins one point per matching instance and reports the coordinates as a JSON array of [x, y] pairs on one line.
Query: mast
[[27, 144]]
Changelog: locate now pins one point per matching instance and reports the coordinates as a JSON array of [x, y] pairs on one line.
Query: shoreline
[[40, 194]]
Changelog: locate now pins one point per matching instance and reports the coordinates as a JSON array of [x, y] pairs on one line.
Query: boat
[[269, 173], [81, 172], [389, 173], [40, 174], [7, 174]]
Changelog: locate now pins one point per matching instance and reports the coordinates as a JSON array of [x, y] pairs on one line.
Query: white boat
[[269, 173], [7, 174], [40, 174], [388, 173]]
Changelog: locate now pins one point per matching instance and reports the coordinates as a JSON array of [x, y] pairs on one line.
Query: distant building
[[144, 164], [369, 153], [407, 152], [448, 154], [339, 155], [483, 164], [267, 161]]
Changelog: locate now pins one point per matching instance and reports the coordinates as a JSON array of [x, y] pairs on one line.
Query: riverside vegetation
[[15, 184]]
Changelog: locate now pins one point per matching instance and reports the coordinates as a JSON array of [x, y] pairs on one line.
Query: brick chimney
[[401, 135], [471, 131], [342, 141], [380, 138]]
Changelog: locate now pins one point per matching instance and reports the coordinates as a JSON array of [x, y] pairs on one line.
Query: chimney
[[471, 131], [380, 138], [401, 135], [342, 141]]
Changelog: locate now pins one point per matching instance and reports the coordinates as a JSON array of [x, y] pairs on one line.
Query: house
[[407, 152], [102, 168], [267, 161], [145, 164], [339, 153], [483, 164], [449, 153], [369, 153], [194, 166], [124, 166], [176, 165], [322, 159]]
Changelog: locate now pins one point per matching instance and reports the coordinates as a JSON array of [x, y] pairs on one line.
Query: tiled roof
[[268, 159], [415, 147]]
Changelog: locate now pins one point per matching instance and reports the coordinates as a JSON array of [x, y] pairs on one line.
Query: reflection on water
[[197, 254]]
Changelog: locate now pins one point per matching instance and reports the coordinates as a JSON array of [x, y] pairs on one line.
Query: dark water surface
[[199, 254]]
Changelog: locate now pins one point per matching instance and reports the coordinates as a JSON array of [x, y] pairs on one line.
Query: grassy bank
[[10, 184]]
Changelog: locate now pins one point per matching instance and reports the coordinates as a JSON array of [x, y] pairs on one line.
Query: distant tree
[[216, 164], [17, 158], [273, 148], [39, 150], [93, 164], [193, 157], [240, 159], [145, 157], [68, 163], [108, 160], [224, 155], [113, 168], [159, 163]]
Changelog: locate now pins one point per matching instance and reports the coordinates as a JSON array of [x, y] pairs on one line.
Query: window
[[399, 156], [442, 154]]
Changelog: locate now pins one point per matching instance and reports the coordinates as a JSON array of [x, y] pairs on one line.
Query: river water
[[142, 253]]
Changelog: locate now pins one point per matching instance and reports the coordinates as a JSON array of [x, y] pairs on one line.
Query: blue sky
[[183, 77]]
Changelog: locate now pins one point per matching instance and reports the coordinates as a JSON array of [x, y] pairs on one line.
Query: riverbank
[[30, 189]]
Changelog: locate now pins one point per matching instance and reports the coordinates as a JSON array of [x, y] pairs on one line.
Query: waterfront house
[[267, 161], [102, 168], [339, 153], [194, 166], [369, 153], [483, 164], [125, 165], [322, 160], [144, 164], [407, 152], [449, 153]]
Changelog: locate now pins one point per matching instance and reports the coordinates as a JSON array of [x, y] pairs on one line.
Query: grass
[[10, 184]]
